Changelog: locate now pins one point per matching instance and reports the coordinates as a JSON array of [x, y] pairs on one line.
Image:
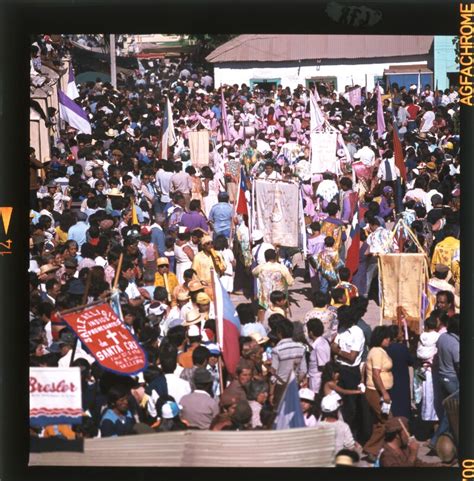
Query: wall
[[444, 60], [290, 77]]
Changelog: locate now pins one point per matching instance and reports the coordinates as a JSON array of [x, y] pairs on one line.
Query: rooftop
[[278, 48]]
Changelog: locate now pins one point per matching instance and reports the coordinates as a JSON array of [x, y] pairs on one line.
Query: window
[[321, 82], [265, 84]]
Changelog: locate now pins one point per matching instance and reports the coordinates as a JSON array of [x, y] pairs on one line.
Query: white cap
[[306, 393], [257, 235], [170, 410], [330, 403]]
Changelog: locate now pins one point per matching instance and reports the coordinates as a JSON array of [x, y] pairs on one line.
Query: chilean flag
[[228, 325], [352, 259], [398, 152], [241, 202]]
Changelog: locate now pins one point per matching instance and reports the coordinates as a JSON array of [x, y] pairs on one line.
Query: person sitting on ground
[[399, 449]]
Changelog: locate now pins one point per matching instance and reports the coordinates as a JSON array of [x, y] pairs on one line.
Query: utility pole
[[113, 66]]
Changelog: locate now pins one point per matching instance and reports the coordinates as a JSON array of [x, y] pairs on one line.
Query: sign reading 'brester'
[[107, 339]]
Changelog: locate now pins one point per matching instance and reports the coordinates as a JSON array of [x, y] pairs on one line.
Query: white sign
[[55, 395], [323, 152]]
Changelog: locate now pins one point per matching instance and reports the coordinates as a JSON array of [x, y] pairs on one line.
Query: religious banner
[[55, 396], [403, 280], [323, 152], [277, 212], [107, 339], [199, 148], [354, 96]]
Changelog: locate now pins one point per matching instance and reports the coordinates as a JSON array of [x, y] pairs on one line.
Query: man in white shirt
[[259, 247], [418, 193], [388, 172], [428, 118], [163, 179], [269, 172], [348, 347], [177, 387], [134, 296]]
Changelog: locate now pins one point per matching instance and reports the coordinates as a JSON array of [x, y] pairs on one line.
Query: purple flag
[[225, 125], [380, 118], [73, 114]]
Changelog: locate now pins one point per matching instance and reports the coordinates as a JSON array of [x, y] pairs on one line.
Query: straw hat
[[182, 296], [203, 298], [162, 261], [194, 286], [192, 317], [206, 239], [111, 133], [46, 269], [259, 338], [115, 193]]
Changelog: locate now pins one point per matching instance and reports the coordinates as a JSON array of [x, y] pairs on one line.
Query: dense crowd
[[114, 201]]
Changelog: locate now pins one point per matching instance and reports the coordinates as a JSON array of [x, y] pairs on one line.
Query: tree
[[456, 47], [206, 43]]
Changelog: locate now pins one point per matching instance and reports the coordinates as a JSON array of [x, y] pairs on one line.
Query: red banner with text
[[107, 339]]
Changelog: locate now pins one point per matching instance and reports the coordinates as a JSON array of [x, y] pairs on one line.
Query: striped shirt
[[285, 355]]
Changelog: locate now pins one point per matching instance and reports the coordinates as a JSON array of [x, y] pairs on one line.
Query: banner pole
[[117, 272]]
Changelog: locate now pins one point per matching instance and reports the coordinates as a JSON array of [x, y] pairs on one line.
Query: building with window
[[267, 60]]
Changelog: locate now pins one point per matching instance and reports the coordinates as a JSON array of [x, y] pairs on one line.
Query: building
[[343, 60], [446, 69], [46, 97]]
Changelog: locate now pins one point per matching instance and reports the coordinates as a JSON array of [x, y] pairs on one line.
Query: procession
[[213, 252]]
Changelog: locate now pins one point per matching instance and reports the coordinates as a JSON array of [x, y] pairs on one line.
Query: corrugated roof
[[304, 447], [278, 48], [407, 69]]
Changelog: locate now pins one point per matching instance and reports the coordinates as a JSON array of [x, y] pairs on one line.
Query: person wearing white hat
[[330, 405], [259, 247], [307, 406]]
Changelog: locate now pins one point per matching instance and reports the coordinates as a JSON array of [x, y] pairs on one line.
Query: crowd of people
[[113, 210]]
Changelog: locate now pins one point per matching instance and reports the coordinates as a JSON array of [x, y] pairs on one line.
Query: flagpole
[[219, 359], [113, 66]]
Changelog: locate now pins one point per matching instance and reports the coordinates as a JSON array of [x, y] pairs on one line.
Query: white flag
[[317, 116]]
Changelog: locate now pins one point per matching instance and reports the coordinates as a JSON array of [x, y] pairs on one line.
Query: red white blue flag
[[228, 326], [241, 205]]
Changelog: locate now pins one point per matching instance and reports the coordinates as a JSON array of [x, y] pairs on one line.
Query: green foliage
[[456, 47], [206, 43]]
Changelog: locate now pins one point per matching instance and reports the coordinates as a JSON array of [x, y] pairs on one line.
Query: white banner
[[277, 212], [55, 395], [199, 147], [354, 96], [323, 152]]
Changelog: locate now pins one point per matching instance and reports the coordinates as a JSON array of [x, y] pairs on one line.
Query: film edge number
[[467, 469]]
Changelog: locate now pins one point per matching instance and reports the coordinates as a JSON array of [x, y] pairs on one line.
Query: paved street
[[301, 304]]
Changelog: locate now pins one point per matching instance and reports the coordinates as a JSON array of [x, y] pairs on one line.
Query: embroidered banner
[[277, 212], [402, 283]]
